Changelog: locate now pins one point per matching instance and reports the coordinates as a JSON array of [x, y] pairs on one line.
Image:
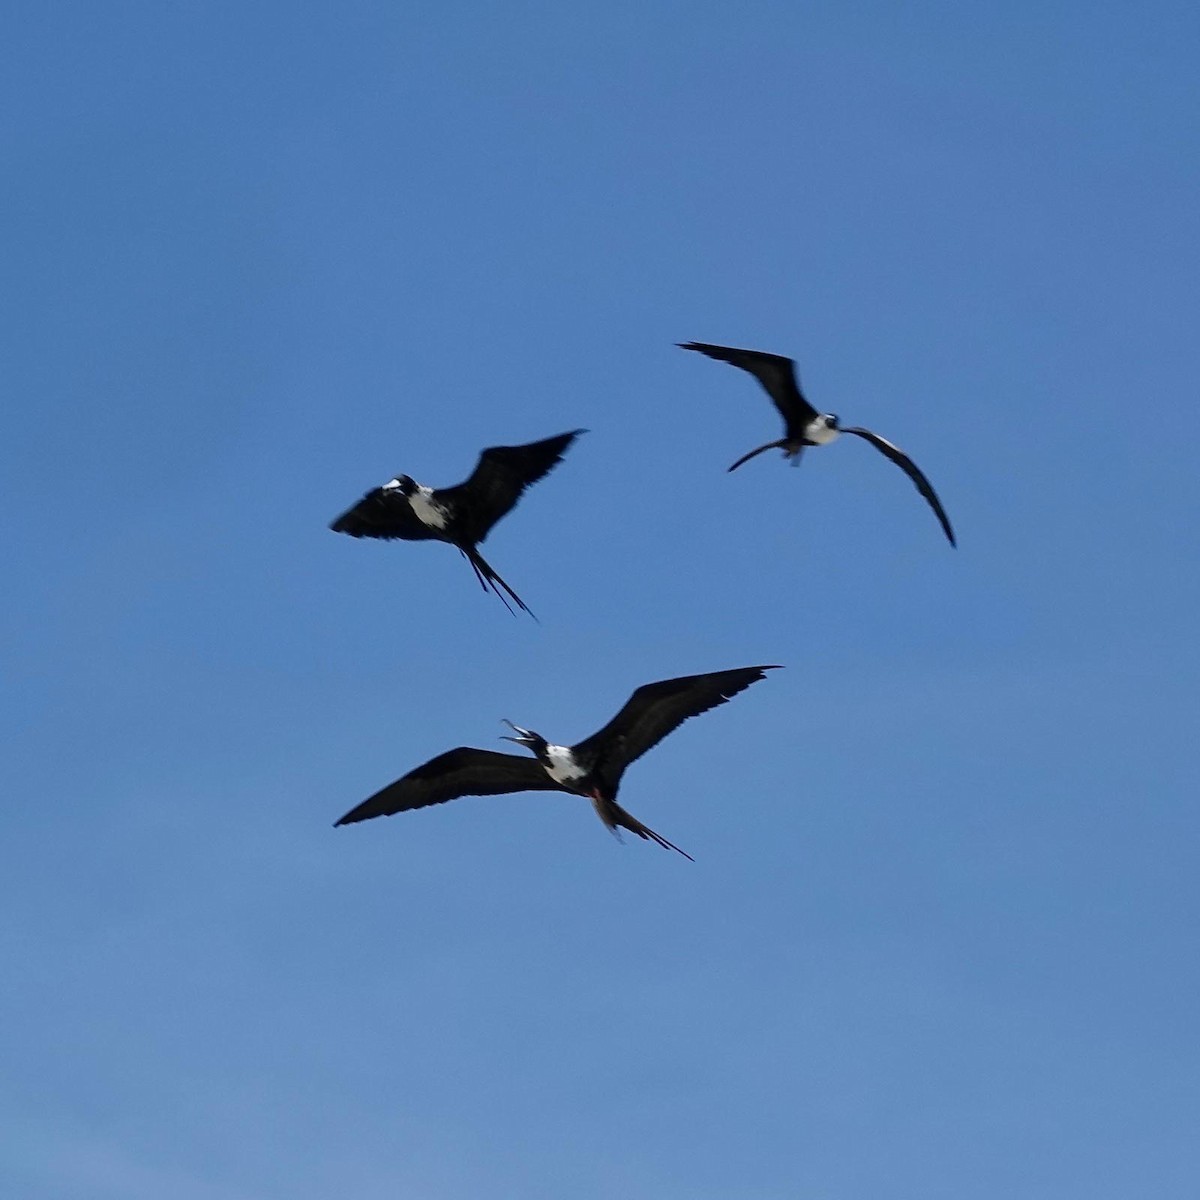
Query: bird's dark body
[[468, 511], [650, 714]]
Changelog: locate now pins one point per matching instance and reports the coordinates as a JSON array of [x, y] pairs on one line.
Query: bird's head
[[525, 737], [831, 420], [404, 484]]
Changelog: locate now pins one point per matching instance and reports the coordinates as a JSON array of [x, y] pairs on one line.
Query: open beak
[[523, 738]]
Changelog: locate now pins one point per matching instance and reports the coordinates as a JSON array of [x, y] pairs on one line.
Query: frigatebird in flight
[[462, 515], [591, 768], [804, 425]]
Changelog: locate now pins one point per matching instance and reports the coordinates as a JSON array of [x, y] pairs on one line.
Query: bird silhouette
[[462, 515], [591, 768], [804, 426]]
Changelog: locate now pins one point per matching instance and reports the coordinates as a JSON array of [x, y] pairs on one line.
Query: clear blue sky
[[940, 938]]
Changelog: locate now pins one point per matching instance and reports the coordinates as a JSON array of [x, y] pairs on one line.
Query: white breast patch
[[819, 433], [562, 768], [426, 510]]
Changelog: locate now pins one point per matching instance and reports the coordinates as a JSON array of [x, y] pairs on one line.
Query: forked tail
[[613, 815], [488, 579], [779, 445]]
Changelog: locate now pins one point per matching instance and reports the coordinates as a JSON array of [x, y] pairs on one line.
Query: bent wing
[[657, 709], [499, 479], [910, 468], [464, 771], [777, 375], [383, 513]]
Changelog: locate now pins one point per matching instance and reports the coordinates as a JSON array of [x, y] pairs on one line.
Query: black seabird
[[804, 425], [462, 515], [591, 768]]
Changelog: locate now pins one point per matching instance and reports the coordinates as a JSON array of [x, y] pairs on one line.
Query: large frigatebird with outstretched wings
[[804, 426], [462, 515], [592, 768]]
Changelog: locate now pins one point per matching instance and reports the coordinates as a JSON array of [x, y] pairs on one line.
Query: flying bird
[[462, 515], [804, 426], [591, 768]]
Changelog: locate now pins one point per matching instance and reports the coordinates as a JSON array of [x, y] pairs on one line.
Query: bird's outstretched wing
[[499, 478], [776, 373], [910, 469], [464, 771], [383, 513], [657, 709]]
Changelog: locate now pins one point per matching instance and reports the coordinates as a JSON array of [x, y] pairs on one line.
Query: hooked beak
[[523, 738]]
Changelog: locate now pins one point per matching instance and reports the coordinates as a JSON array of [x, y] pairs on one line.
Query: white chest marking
[[562, 767], [427, 512], [819, 432]]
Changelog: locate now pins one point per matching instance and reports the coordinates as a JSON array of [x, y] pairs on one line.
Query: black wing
[[461, 772], [499, 478], [776, 373], [910, 469], [383, 513], [657, 709]]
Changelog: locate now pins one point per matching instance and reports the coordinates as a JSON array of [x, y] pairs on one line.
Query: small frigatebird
[[591, 768], [462, 515], [803, 424]]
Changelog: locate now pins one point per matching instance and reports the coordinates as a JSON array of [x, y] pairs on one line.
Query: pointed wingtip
[[759, 673], [348, 524]]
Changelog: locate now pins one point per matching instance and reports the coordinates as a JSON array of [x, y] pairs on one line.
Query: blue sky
[[939, 940]]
